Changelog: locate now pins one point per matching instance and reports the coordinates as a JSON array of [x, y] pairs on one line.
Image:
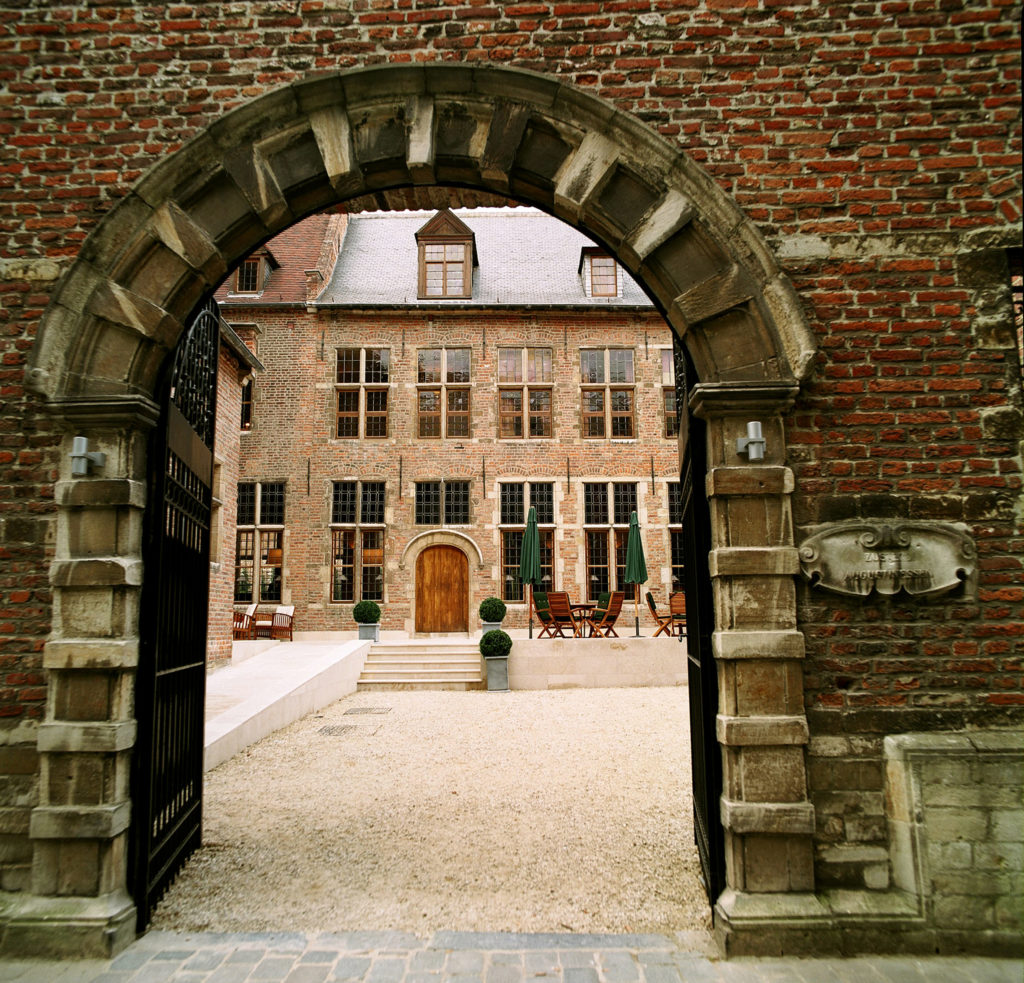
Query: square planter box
[[497, 674], [369, 632]]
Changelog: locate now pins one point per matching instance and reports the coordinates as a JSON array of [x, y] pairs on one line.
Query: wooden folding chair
[[677, 608], [664, 621], [543, 612], [562, 618], [602, 623]]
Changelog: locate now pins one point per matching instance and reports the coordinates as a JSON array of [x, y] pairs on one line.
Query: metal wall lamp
[[754, 444]]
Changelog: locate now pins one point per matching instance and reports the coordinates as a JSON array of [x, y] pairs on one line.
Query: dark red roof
[[290, 253]]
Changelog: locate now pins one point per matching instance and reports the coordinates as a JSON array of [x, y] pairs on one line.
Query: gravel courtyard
[[417, 811]]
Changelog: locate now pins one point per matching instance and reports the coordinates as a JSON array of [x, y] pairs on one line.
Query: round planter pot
[[370, 632], [497, 674]]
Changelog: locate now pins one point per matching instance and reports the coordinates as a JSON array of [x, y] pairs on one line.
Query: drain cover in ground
[[367, 710], [336, 730]]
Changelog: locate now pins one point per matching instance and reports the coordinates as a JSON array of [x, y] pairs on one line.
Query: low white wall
[[565, 663]]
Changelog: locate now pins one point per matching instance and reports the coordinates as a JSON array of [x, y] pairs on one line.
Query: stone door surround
[[171, 239]]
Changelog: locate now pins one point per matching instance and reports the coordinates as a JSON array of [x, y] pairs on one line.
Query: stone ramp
[[250, 699]]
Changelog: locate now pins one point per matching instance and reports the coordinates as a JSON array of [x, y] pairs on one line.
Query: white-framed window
[[357, 541], [249, 276], [600, 273], [443, 392], [259, 541], [515, 499], [362, 393], [607, 393], [525, 392], [606, 509]]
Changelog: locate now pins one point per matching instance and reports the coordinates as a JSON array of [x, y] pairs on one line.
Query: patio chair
[[677, 608], [242, 625], [543, 612], [664, 621], [602, 622], [562, 618], [597, 613], [281, 625]]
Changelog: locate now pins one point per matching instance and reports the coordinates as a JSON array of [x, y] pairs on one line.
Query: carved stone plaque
[[923, 558]]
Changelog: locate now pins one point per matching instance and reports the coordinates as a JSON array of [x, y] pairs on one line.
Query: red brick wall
[[293, 440], [222, 548], [871, 143]]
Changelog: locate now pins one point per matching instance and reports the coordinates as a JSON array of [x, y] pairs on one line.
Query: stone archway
[[120, 309], [444, 538]]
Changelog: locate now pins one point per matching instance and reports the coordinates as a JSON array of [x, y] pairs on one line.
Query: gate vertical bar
[[170, 689], [702, 673]]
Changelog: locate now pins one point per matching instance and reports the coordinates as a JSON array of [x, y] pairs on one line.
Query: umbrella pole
[[531, 610], [636, 608]]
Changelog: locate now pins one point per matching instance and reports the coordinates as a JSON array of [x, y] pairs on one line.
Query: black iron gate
[[702, 672], [170, 686]]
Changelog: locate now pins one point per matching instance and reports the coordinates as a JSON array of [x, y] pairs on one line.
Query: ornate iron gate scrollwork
[[700, 620], [170, 688]]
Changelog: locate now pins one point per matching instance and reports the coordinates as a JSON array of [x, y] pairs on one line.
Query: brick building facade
[[368, 462], [823, 204]]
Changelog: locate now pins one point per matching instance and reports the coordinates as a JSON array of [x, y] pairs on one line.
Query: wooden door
[[442, 590]]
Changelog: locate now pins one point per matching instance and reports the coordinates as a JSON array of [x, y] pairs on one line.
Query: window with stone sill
[[247, 401], [524, 394], [259, 552], [606, 510], [362, 393], [357, 541], [442, 503], [607, 393], [668, 393], [675, 531], [515, 499], [443, 392]]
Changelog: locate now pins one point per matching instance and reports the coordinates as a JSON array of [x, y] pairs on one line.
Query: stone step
[[441, 665], [425, 665], [380, 686]]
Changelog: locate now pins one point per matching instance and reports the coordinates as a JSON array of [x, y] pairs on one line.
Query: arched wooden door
[[442, 590]]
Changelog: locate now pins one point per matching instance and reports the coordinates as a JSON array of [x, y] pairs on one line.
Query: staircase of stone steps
[[452, 664]]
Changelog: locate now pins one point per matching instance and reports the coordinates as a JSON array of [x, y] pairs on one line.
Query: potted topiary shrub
[[494, 647], [492, 611], [367, 615]]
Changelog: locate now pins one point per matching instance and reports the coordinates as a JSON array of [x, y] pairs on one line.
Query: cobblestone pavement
[[462, 957]]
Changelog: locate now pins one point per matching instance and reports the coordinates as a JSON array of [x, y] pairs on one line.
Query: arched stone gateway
[[119, 312]]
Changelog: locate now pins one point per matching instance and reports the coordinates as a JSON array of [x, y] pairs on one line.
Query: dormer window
[[600, 273], [446, 257], [249, 278]]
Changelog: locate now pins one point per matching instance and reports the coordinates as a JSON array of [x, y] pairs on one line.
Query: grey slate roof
[[527, 258]]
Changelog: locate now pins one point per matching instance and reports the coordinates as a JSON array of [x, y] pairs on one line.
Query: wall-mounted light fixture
[[82, 457], [753, 445]]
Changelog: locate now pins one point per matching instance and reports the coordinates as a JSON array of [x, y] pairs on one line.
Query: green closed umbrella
[[529, 558], [636, 566]]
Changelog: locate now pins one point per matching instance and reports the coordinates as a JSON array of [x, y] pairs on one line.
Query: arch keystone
[[420, 155], [674, 212], [333, 134], [583, 174]]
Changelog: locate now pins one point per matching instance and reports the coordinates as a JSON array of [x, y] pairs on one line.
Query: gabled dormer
[[253, 273], [599, 273], [447, 256]]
